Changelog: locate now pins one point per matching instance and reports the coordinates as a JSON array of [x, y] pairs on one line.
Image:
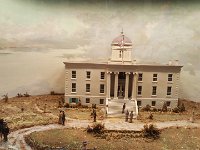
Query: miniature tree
[[164, 108], [150, 131], [5, 98]]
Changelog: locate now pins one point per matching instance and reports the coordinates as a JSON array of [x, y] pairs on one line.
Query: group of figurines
[[127, 114], [4, 130], [61, 117]]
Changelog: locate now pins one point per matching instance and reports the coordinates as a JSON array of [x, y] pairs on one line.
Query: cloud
[[69, 31]]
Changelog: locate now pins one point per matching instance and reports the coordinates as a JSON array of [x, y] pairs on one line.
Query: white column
[[116, 85], [108, 85], [134, 86], [126, 86]]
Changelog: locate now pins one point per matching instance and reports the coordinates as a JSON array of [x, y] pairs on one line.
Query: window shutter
[[70, 100]]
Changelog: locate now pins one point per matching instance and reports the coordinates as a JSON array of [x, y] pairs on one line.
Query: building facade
[[122, 80]]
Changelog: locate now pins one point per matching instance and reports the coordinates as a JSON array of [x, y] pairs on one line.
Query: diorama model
[[122, 80]]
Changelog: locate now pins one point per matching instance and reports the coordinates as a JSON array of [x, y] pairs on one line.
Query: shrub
[[146, 108], [155, 110], [97, 128], [66, 105], [164, 108], [181, 107], [150, 116], [150, 131], [176, 110]]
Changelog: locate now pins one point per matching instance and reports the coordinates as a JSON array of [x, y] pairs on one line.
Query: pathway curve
[[17, 142]]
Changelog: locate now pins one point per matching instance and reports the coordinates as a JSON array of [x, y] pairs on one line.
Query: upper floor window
[[155, 77], [73, 74], [87, 87], [139, 90], [102, 75], [73, 87], [101, 88], [170, 77], [154, 88], [140, 76], [88, 74], [169, 90]]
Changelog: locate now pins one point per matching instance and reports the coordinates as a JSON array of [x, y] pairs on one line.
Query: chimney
[[170, 63], [176, 62], [134, 61]]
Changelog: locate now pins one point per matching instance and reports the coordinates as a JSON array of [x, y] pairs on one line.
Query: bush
[[66, 105], [150, 131], [164, 108], [97, 128], [176, 110], [155, 110], [146, 108], [179, 109]]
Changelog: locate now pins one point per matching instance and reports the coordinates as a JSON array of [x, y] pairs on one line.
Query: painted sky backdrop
[[36, 36]]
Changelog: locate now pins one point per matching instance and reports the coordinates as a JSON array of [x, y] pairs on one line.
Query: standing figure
[[45, 107], [1, 127], [94, 115], [5, 133], [123, 108], [63, 118], [131, 117], [127, 114], [60, 117]]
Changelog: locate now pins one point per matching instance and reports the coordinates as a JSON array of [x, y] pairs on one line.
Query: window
[[101, 88], [139, 103], [73, 100], [88, 74], [154, 90], [140, 77], [73, 74], [170, 77], [155, 77], [101, 101], [153, 103], [73, 87], [139, 90], [120, 54], [169, 90], [87, 87], [102, 75], [168, 103], [87, 100]]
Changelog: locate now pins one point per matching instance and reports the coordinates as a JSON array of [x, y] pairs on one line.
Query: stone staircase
[[115, 107]]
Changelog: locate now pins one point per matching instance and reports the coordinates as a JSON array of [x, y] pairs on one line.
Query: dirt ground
[[170, 139], [26, 111], [33, 111], [39, 110]]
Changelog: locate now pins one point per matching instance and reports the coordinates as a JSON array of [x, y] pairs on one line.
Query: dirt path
[[17, 142]]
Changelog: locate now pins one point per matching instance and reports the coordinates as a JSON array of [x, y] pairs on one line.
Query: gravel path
[[17, 142]]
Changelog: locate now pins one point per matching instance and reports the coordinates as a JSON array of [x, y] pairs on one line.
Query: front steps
[[114, 108]]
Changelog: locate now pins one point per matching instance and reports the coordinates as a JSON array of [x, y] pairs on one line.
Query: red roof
[[120, 38]]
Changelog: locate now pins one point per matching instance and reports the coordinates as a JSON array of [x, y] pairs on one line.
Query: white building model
[[121, 80]]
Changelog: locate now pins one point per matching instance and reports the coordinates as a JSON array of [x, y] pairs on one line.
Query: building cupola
[[121, 49]]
